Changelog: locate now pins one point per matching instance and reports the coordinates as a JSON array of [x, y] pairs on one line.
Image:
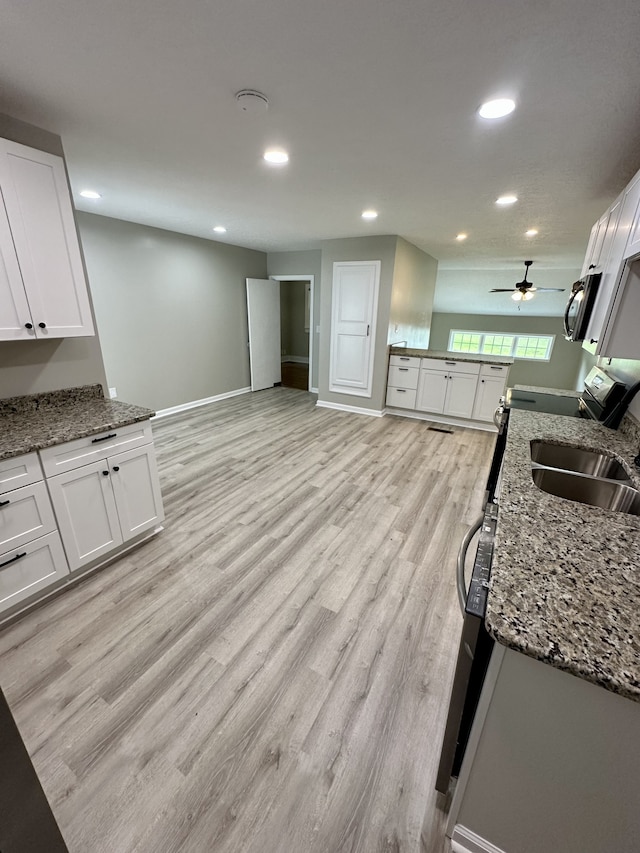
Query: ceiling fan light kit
[[524, 290]]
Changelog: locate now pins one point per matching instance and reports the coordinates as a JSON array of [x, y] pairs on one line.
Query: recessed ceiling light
[[220, 229], [90, 194], [276, 156], [497, 108], [461, 237], [369, 214], [531, 232], [507, 199]]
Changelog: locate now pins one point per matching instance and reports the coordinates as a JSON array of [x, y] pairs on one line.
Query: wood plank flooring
[[271, 673]]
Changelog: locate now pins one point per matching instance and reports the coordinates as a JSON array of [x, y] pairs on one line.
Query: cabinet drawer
[[404, 361], [25, 514], [403, 377], [450, 366], [83, 451], [403, 398], [30, 568], [19, 471], [494, 370]]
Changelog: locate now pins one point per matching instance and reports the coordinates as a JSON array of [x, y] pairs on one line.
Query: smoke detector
[[250, 101]]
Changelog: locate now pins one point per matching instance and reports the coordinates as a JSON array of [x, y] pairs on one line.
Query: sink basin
[[577, 459], [607, 494]]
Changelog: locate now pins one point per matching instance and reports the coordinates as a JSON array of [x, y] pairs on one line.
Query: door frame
[[312, 332]]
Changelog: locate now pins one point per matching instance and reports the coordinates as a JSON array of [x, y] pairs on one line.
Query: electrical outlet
[[113, 393]]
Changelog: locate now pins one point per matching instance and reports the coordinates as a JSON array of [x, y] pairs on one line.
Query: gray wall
[[560, 372], [28, 367], [358, 249], [303, 264], [414, 282], [293, 338], [171, 310]]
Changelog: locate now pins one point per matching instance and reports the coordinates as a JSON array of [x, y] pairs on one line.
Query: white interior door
[[353, 326], [263, 309]]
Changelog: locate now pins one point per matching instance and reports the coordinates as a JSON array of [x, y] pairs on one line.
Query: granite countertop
[[40, 420], [565, 582], [451, 356], [553, 392]]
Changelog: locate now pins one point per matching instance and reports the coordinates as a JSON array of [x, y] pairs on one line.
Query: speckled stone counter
[[565, 579], [40, 420], [451, 356], [553, 392]]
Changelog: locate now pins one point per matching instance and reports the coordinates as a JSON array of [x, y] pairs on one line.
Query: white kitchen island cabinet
[[43, 290], [104, 504]]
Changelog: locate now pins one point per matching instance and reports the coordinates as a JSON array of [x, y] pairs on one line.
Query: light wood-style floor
[[271, 673]]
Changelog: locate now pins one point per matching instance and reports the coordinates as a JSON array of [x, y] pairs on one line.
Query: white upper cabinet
[[43, 291], [353, 326], [616, 286]]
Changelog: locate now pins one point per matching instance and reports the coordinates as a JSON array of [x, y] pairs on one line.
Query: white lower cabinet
[[104, 504], [31, 554], [454, 389], [30, 569], [447, 390]]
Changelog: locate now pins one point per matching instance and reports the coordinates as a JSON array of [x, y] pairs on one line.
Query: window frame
[[550, 341]]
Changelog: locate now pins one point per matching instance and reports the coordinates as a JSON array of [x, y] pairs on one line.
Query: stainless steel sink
[[607, 494], [577, 459]]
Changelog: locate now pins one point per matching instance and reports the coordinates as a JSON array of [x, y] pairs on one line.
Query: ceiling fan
[[524, 289]]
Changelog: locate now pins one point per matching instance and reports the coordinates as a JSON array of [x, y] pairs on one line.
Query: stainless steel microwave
[[577, 314]]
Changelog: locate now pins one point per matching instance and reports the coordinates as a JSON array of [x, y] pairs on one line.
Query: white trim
[[311, 280], [343, 407], [465, 841], [486, 426], [314, 390], [296, 359], [195, 404]]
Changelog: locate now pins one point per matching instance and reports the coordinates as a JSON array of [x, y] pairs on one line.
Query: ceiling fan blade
[[551, 290], [502, 290]]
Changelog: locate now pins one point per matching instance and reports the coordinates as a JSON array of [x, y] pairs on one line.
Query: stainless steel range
[[603, 398]]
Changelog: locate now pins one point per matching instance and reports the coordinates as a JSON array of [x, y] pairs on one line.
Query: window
[[532, 347]]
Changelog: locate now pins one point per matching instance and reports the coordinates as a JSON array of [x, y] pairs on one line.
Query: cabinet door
[[134, 477], [432, 389], [15, 317], [461, 392], [38, 206], [487, 398], [86, 511], [25, 514], [30, 568]]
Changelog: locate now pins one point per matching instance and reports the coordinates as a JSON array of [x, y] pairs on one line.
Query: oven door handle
[[578, 287], [462, 556]]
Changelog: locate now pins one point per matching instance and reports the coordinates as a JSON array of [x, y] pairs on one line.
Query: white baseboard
[[440, 419], [343, 407], [465, 841], [296, 359], [184, 407]]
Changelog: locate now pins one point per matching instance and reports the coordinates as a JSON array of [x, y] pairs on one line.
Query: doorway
[[280, 320], [296, 330]]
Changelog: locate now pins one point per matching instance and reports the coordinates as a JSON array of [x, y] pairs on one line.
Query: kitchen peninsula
[[78, 486], [462, 389]]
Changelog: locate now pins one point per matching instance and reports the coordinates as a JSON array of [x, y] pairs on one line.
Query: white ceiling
[[375, 100]]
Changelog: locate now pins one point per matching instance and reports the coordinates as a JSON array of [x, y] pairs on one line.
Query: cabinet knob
[[592, 266], [593, 341], [28, 325], [482, 380], [106, 473], [42, 325], [116, 467]]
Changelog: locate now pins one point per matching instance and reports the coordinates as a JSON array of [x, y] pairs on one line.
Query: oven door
[[579, 307]]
